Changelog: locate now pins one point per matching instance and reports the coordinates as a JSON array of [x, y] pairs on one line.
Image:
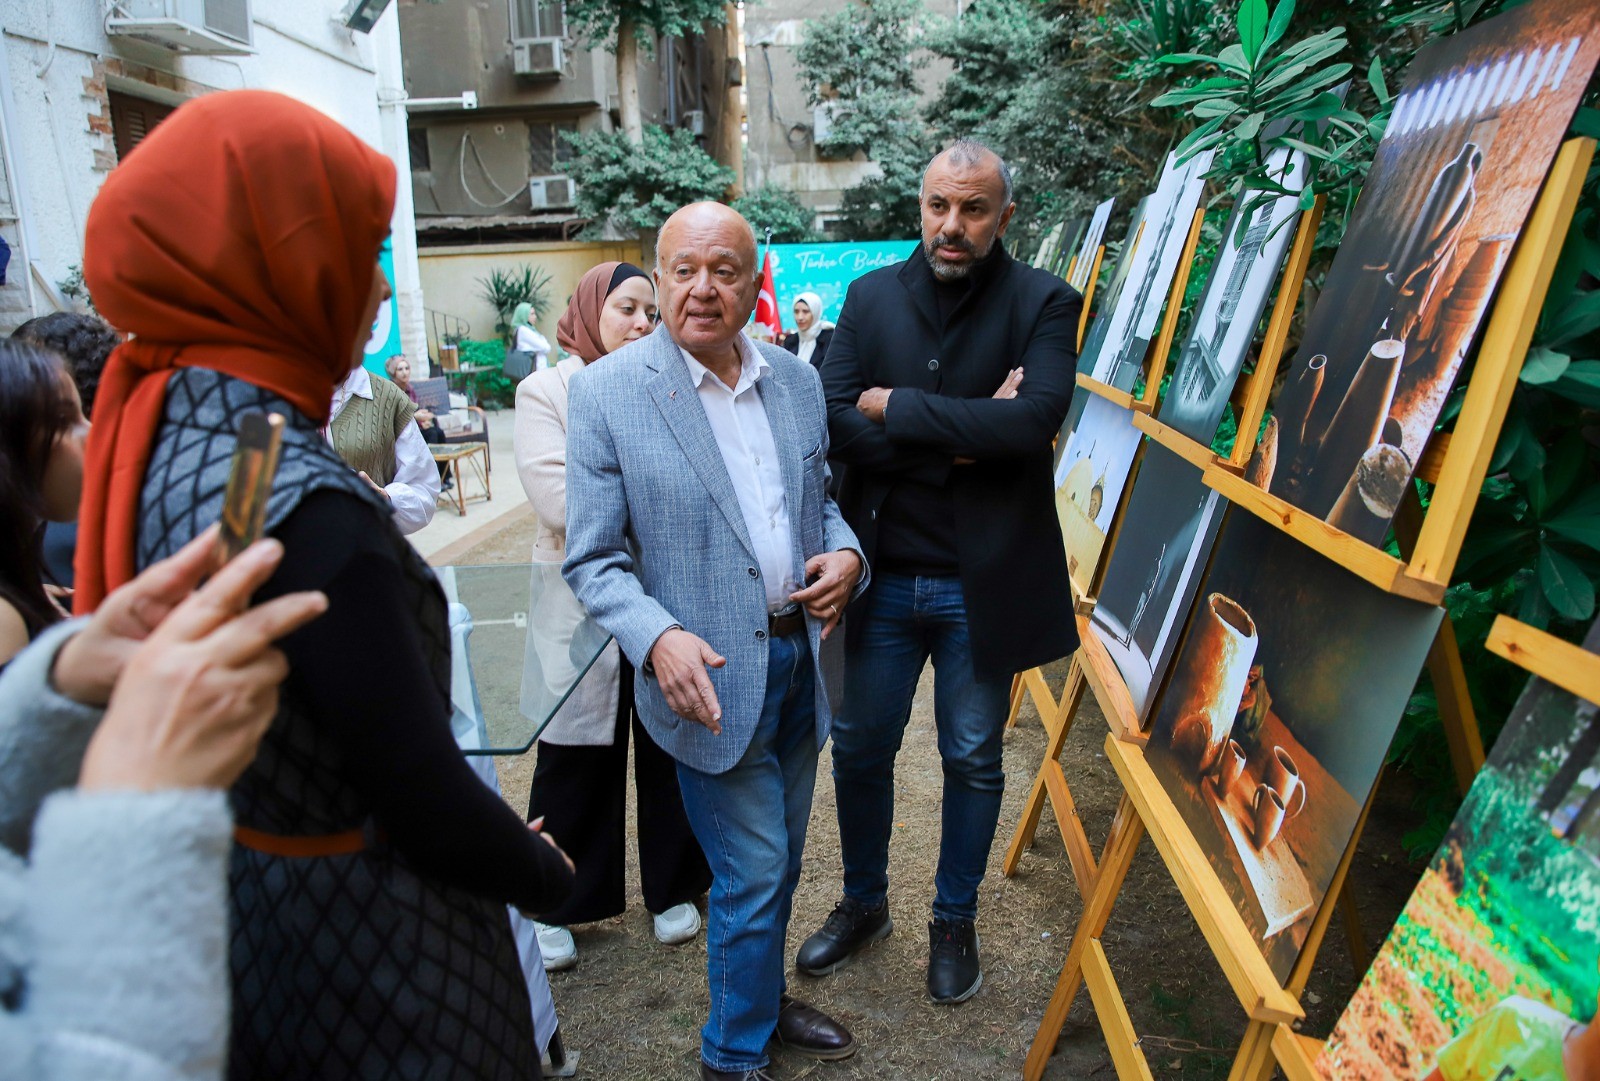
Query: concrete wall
[[57, 64], [450, 276]]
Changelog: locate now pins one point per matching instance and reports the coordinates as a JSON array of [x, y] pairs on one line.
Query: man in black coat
[[946, 380]]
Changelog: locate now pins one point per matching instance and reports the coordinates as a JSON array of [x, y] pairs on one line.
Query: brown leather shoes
[[808, 1031]]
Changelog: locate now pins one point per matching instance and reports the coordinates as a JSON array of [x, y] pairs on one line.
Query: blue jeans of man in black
[[901, 623]]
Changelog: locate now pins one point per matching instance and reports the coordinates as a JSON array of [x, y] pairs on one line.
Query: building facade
[[498, 172], [82, 81]]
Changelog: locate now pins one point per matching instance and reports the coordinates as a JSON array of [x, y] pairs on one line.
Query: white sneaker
[[677, 924], [556, 946]]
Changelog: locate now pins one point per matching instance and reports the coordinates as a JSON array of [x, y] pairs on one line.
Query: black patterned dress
[[395, 959]]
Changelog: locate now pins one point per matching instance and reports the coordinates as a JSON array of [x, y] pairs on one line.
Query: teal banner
[[827, 270], [385, 340]]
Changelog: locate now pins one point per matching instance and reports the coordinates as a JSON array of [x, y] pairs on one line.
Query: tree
[[861, 65], [625, 25], [772, 208], [635, 186], [995, 49]]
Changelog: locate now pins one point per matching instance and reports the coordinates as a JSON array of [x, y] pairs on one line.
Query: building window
[[132, 119], [549, 153], [417, 140], [538, 19]]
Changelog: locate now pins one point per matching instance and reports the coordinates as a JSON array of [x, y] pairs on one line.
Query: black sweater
[[361, 671]]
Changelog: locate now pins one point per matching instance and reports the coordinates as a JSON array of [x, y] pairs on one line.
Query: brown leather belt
[[783, 624], [347, 843]]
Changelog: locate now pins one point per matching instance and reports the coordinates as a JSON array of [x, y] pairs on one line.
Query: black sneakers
[[953, 971], [851, 927]]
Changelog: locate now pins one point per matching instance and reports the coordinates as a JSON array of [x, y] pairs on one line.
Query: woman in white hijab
[[810, 343]]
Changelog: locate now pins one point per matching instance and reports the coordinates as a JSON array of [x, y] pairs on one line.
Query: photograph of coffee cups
[[1230, 767], [1267, 807], [1284, 778]]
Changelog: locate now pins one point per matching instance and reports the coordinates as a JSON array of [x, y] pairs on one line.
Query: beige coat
[[540, 441]]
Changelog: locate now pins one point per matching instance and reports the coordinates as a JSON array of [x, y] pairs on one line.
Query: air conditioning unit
[[537, 58], [694, 121], [823, 117], [189, 26], [551, 192]]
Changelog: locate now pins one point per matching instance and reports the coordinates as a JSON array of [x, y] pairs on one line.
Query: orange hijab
[[241, 237]]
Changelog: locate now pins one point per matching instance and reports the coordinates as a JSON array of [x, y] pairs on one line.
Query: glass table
[[520, 645]]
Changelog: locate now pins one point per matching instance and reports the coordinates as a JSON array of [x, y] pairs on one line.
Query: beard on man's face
[[946, 270]]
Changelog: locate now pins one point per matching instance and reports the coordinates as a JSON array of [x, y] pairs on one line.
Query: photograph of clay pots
[[1474, 130], [1240, 281], [1273, 725], [1090, 477], [1168, 529], [1123, 332], [1493, 968], [1093, 236]]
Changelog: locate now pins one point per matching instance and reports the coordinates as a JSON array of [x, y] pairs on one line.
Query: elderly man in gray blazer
[[701, 535]]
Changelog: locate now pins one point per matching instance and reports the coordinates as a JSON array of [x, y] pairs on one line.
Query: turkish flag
[[767, 302]]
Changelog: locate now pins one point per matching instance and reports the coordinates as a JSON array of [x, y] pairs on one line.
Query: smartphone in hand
[[255, 463]]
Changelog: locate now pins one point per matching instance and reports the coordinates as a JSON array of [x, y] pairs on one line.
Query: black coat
[[791, 342], [1008, 538]]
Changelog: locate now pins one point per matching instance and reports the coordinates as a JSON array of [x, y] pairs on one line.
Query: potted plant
[[505, 288]]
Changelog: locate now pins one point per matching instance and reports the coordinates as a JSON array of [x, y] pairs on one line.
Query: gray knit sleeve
[[127, 907], [43, 735]]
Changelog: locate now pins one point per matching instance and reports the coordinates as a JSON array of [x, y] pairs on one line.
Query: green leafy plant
[[1260, 81], [75, 289], [506, 287], [774, 210], [634, 187]]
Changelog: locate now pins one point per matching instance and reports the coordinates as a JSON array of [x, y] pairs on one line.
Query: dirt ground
[[632, 1008]]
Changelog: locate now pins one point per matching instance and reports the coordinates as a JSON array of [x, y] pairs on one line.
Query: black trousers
[[582, 793]]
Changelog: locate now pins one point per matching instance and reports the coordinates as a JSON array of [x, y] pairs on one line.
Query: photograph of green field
[[1491, 970]]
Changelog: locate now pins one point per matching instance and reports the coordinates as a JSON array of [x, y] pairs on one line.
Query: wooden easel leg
[[1354, 933], [1455, 705], [1126, 833], [1449, 675], [1057, 726], [1254, 1061], [1016, 701]]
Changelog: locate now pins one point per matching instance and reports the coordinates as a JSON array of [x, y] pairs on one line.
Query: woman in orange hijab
[[239, 245]]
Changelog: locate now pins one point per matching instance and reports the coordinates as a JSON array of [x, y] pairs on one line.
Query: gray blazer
[[655, 538]]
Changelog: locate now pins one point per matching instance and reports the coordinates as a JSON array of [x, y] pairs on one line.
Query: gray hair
[[970, 152]]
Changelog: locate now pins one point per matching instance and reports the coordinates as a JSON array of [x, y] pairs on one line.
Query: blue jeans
[[751, 822], [900, 623]]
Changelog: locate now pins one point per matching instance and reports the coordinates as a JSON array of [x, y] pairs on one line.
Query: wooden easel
[[1088, 288], [1271, 1007], [1563, 664], [1146, 809], [1057, 714], [1032, 681]]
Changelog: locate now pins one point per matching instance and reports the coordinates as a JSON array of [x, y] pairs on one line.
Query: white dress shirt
[[744, 435], [414, 492]]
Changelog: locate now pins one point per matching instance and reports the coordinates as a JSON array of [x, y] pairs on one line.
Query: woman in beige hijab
[[581, 774]]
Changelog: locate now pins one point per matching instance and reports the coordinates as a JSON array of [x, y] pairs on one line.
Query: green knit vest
[[365, 430]]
